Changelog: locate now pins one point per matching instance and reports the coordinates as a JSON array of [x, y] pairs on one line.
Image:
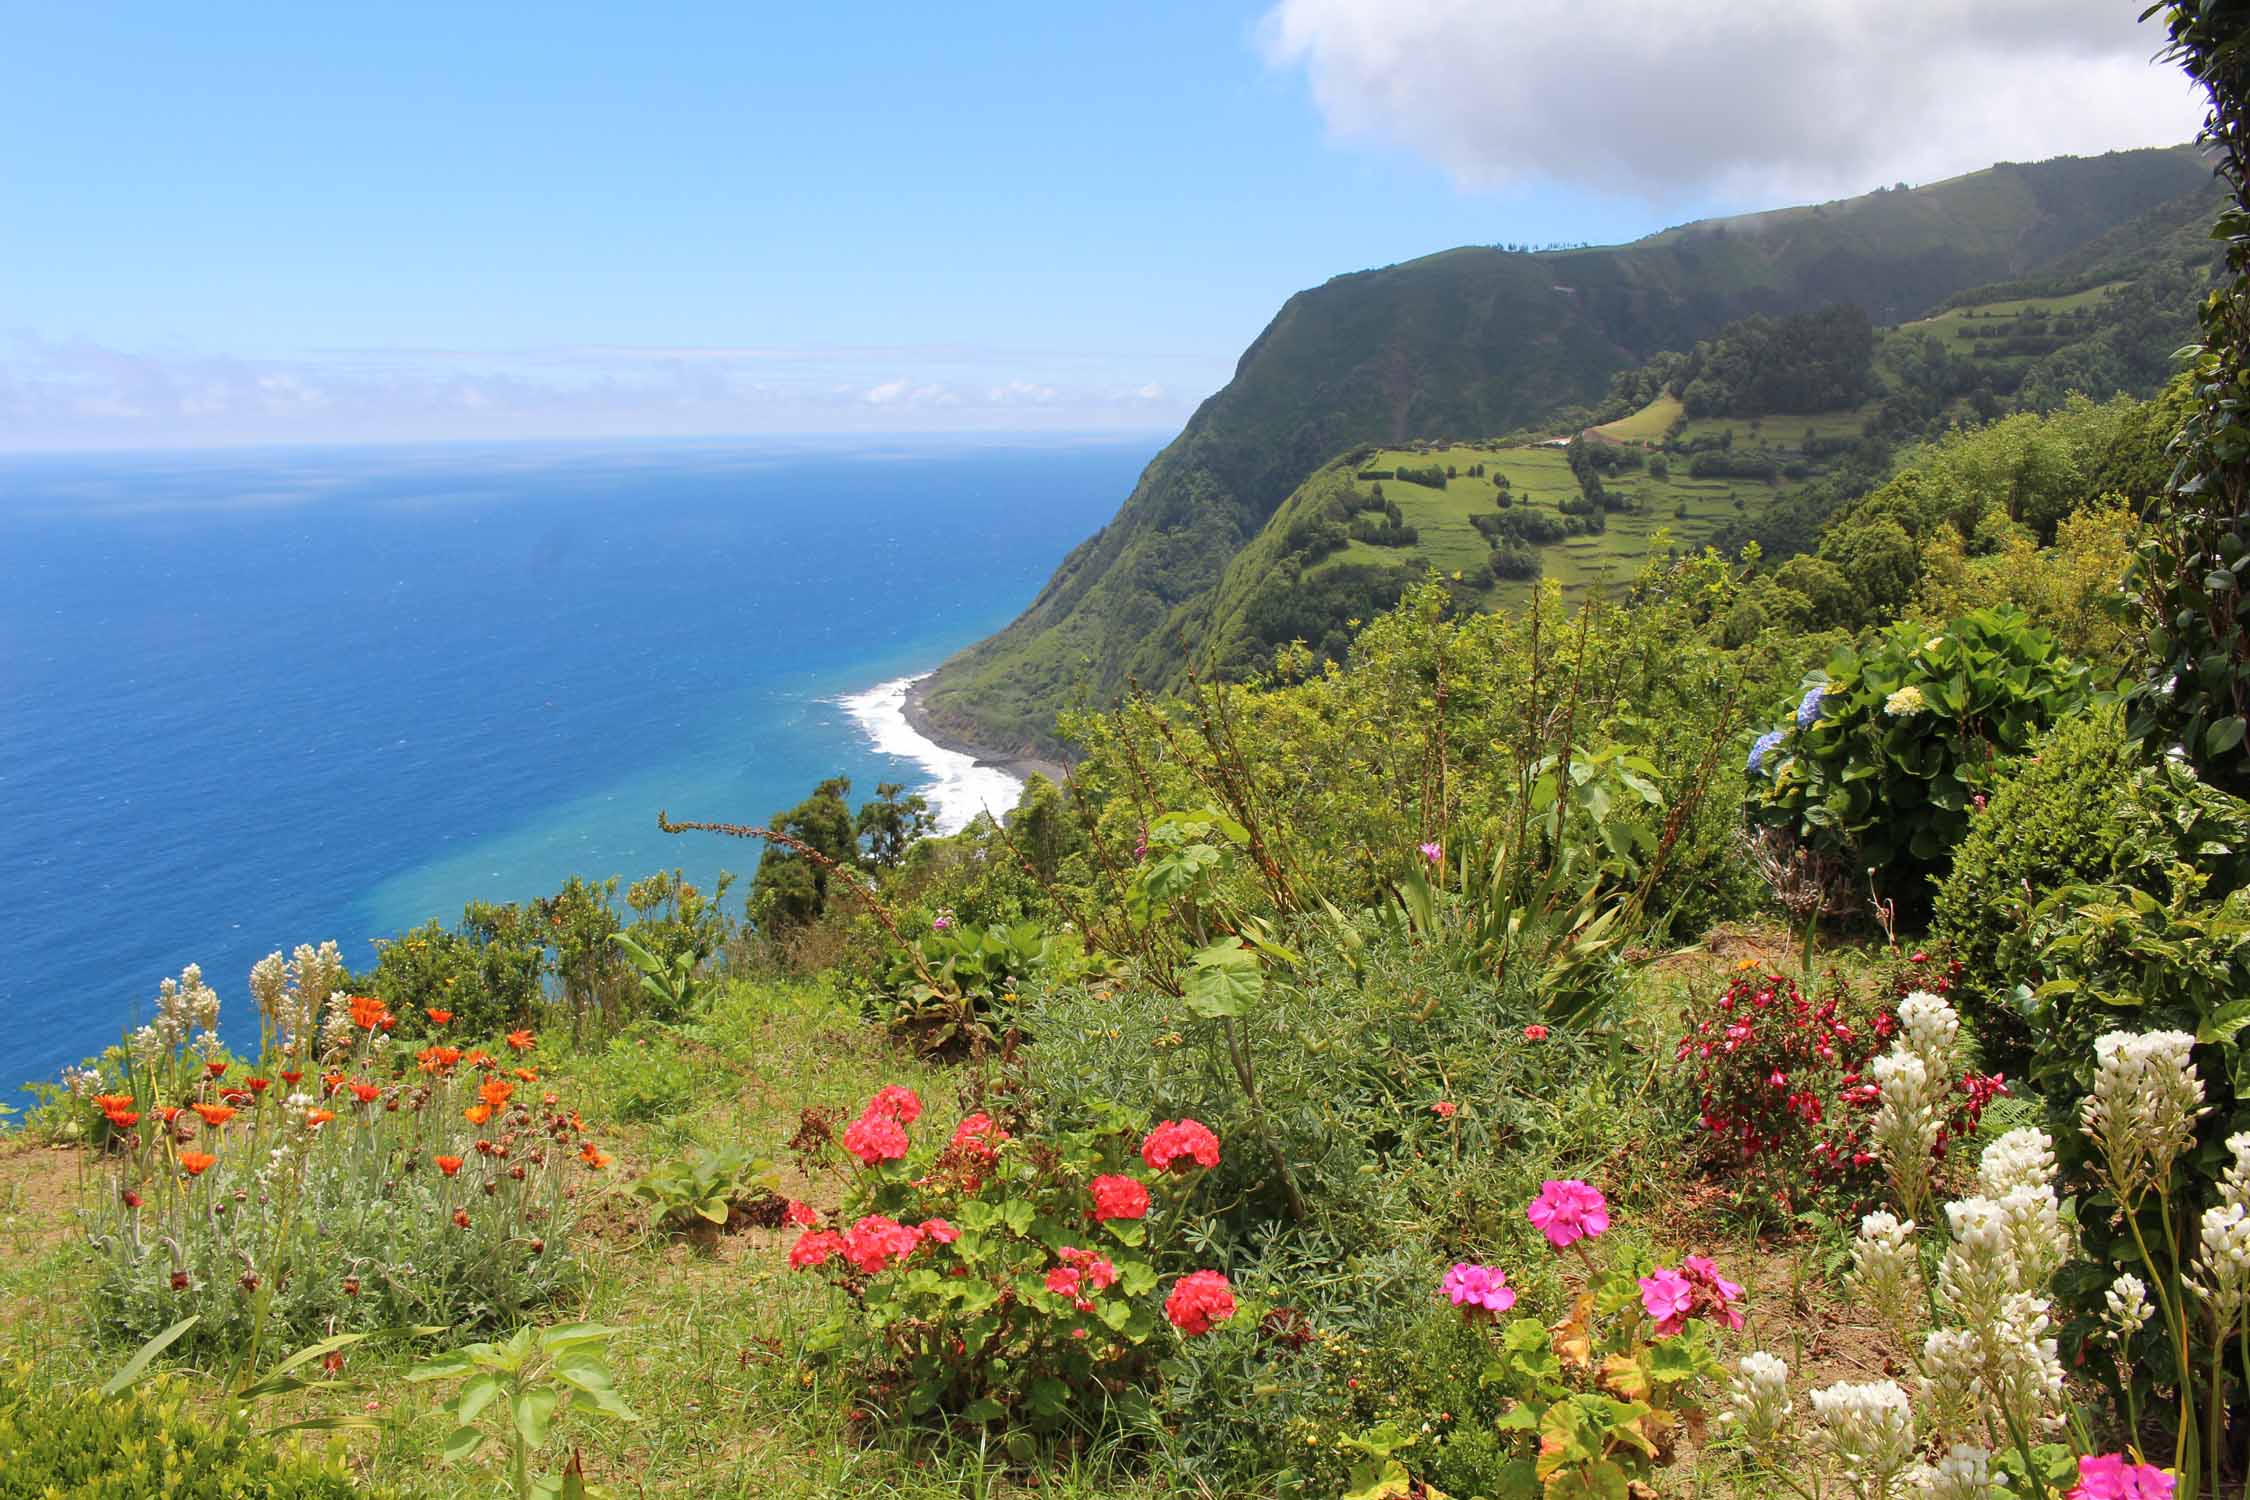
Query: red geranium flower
[[901, 1104], [1174, 1139], [1199, 1301], [814, 1247], [877, 1240], [937, 1231], [1117, 1197], [801, 1214], [875, 1139]]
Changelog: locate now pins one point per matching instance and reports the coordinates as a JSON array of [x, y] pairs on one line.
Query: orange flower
[[214, 1115], [366, 1093], [123, 1119], [477, 1114], [215, 1069], [495, 1092], [528, 1075], [438, 1059], [449, 1165], [522, 1041], [170, 1113], [330, 1082], [314, 1119], [479, 1058], [593, 1158], [438, 1017], [369, 1013], [107, 1102], [196, 1163]]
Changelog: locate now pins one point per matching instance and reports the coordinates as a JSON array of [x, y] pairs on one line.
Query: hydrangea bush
[[1890, 750], [997, 1279]]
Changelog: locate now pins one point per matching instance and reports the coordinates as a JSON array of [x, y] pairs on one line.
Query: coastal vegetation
[[1775, 1022]]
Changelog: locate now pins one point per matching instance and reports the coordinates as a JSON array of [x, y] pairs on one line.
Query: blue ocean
[[255, 698]]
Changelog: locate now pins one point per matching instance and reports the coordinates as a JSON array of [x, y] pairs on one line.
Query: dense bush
[[146, 1442], [2081, 809], [1891, 750]]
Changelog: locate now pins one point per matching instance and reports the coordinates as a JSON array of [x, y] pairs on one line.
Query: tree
[[790, 890], [2190, 573], [890, 824]]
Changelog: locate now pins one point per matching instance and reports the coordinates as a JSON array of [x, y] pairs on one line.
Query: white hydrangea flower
[[1869, 1431], [1758, 1399], [1905, 703], [2129, 1310]]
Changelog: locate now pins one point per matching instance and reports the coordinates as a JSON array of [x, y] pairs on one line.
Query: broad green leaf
[[462, 1442], [533, 1412], [143, 1356]]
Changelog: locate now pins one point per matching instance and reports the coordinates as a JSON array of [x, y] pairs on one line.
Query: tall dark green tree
[[789, 889], [2189, 573], [889, 825]]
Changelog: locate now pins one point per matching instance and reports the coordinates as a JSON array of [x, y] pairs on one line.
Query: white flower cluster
[[1868, 1431], [1886, 1271], [2222, 1274], [184, 1006], [2129, 1311], [292, 994], [2017, 1172], [1906, 703], [1965, 1473], [2234, 1183], [2141, 1114], [83, 1083], [1758, 1400], [1914, 1080]]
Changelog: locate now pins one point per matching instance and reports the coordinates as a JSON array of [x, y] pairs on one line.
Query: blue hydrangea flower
[[1763, 748], [1809, 710]]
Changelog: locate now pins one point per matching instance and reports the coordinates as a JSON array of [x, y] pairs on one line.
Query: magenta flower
[[1567, 1210], [1433, 852], [1669, 1299], [2112, 1477], [1479, 1286], [1715, 1296]]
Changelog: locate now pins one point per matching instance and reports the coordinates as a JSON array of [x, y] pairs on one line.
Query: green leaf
[[462, 1442], [474, 1397], [983, 1409], [1223, 979], [571, 1335], [147, 1353], [534, 1412], [2223, 736]]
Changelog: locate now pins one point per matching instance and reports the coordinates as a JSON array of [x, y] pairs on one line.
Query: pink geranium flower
[[1474, 1286], [1669, 1299], [2112, 1477], [1568, 1210]]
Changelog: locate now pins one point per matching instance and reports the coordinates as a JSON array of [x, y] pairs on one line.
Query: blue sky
[[234, 224]]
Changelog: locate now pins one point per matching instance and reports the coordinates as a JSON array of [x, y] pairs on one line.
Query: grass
[[1648, 425]]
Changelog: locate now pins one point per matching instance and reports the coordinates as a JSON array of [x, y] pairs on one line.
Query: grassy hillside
[[1477, 341]]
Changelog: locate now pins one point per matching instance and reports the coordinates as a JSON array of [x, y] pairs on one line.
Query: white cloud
[[73, 393], [1738, 99]]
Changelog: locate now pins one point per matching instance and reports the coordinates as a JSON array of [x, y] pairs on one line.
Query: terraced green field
[[1951, 325], [1648, 425], [1690, 510]]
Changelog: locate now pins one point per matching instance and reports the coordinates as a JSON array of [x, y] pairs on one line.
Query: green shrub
[[1890, 748], [644, 1076], [2080, 809], [145, 1442]]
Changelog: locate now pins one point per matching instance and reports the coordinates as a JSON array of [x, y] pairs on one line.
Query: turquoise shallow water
[[251, 699]]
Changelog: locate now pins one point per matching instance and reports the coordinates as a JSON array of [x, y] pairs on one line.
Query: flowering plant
[[997, 1278], [1886, 754], [1598, 1396], [348, 1186], [1784, 1089]]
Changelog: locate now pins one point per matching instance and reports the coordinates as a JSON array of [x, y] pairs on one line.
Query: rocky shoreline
[[1022, 767]]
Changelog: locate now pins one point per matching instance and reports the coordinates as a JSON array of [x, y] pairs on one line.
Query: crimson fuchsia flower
[[1175, 1139], [2112, 1477], [1198, 1302], [1472, 1286], [1568, 1210]]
